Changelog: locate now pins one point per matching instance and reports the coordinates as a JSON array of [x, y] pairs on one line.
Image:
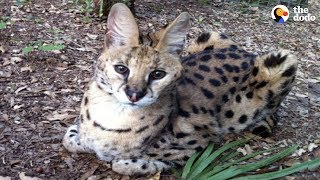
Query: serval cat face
[[135, 74]]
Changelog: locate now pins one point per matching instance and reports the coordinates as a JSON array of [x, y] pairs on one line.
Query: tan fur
[[179, 105]]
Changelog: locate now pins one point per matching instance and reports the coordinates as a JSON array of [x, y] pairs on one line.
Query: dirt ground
[[40, 92]]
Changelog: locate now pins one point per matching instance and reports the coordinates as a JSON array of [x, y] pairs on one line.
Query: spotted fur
[[147, 110]]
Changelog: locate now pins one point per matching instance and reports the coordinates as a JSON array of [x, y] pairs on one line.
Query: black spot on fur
[[152, 155], [271, 105], [181, 135], [238, 98], [204, 37], [99, 87], [214, 82], [211, 112], [229, 114], [225, 98], [183, 113], [95, 124], [233, 47], [205, 135], [134, 160], [228, 67], [249, 95], [186, 158], [74, 131], [199, 76], [159, 119], [155, 145], [220, 56], [223, 50], [218, 108], [224, 79], [71, 135], [167, 154], [218, 70], [270, 95], [232, 90], [231, 129], [204, 68], [191, 63], [209, 47], [243, 88], [274, 60], [144, 166], [142, 129], [255, 71], [236, 69], [204, 111], [207, 93], [235, 79], [289, 72], [199, 148], [245, 77], [88, 114], [163, 140], [142, 118], [205, 58], [256, 114], [189, 81], [197, 128], [253, 83], [223, 36], [86, 100], [192, 142], [261, 84], [244, 65], [195, 109], [234, 56], [261, 131], [243, 119]]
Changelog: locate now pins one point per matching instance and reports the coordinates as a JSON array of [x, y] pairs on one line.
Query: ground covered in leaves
[[40, 91]]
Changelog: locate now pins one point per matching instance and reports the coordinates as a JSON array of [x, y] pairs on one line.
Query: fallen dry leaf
[[23, 176]]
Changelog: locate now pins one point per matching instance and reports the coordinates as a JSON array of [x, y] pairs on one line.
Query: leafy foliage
[[226, 163], [42, 47]]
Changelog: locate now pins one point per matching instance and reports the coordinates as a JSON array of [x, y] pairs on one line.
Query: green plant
[[224, 163], [200, 19], [4, 21], [22, 2], [205, 2], [39, 45]]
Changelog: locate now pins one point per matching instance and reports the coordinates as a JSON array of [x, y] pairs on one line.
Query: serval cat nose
[[135, 94]]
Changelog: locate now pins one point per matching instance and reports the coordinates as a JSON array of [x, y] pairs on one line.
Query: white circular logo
[[280, 13]]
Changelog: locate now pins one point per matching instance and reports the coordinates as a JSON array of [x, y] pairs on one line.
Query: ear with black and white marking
[[173, 39], [122, 29]]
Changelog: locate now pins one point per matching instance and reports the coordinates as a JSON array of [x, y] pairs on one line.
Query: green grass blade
[[204, 155], [51, 47], [234, 171], [196, 170], [284, 172], [27, 49], [213, 165], [224, 166], [3, 25], [188, 165]]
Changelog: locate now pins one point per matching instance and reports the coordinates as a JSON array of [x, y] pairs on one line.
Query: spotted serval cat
[[147, 109]]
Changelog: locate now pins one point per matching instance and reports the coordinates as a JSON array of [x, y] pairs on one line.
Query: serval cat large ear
[[172, 40], [122, 29]]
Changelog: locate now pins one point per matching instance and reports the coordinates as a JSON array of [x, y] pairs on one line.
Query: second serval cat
[[146, 109]]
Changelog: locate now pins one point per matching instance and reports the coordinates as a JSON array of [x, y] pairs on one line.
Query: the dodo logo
[[280, 14]]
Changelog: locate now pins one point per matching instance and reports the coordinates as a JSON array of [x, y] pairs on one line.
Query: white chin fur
[[145, 101]]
